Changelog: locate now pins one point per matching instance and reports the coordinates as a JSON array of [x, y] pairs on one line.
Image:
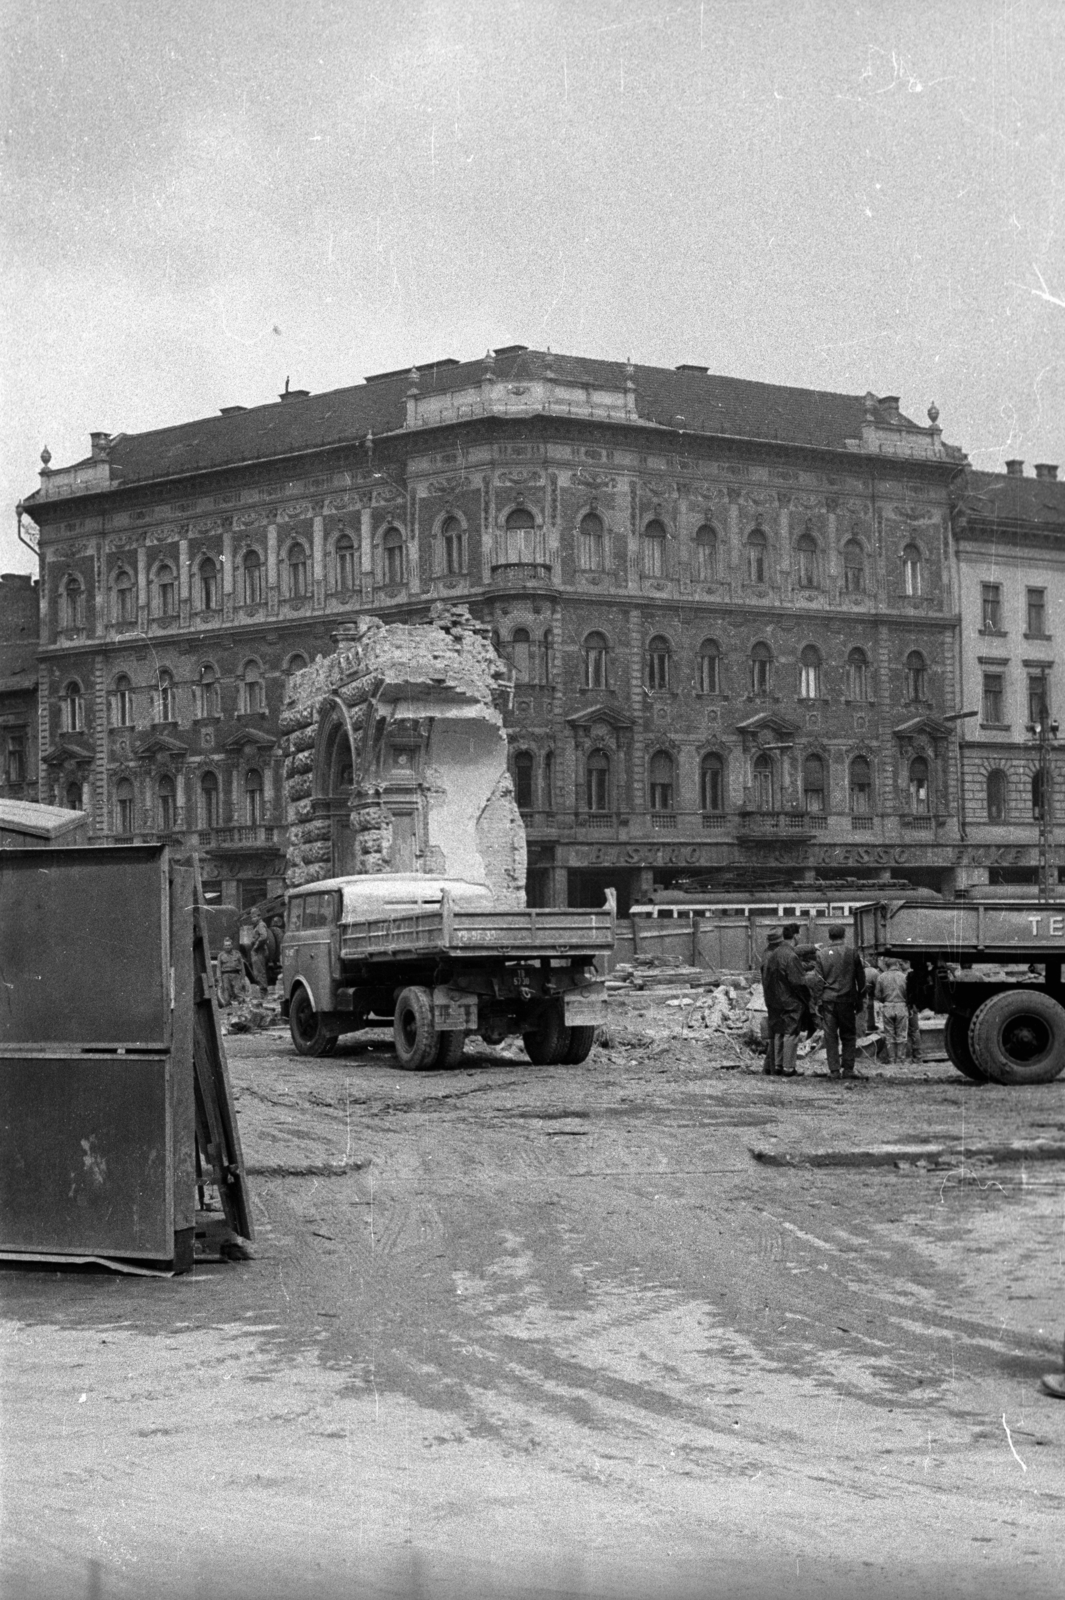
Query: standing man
[[844, 992], [770, 1064], [260, 949], [913, 1015], [230, 974], [891, 997], [787, 998]]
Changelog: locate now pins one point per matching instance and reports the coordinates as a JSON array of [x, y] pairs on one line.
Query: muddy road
[[515, 1331]]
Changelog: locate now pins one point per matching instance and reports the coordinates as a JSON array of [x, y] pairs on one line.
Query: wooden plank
[[182, 1095]]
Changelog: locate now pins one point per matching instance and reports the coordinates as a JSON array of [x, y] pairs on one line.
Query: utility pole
[[1045, 733]]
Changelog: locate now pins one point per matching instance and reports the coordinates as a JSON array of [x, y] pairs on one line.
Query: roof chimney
[[1015, 469], [230, 411], [293, 394], [889, 404], [101, 446], [1044, 469]]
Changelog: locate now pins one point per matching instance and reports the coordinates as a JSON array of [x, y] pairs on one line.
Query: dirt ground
[[528, 1331]]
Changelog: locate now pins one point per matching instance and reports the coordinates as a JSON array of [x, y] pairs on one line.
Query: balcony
[[602, 821], [664, 821], [535, 574], [862, 824], [919, 824], [796, 826], [254, 837], [715, 822]]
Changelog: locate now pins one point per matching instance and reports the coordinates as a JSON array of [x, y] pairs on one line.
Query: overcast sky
[[202, 199]]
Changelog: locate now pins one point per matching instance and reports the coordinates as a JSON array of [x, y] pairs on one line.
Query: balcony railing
[[521, 572], [714, 822], [861, 824], [919, 824], [774, 824], [226, 838], [666, 821]]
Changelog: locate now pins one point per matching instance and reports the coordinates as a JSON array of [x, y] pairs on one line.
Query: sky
[[200, 200]]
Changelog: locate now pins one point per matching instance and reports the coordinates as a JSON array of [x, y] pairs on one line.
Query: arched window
[[122, 702], [706, 553], [658, 663], [660, 781], [253, 578], [165, 805], [1037, 796], [806, 561], [253, 797], [549, 657], [521, 655], [597, 780], [73, 797], [861, 787], [209, 698], [73, 604], [595, 652], [165, 590], [762, 786], [920, 796], [72, 707], [523, 780], [709, 665], [549, 781], [756, 556], [125, 810], [392, 556], [520, 537], [857, 675], [996, 795], [125, 596], [911, 570], [209, 800], [164, 698], [916, 677], [653, 549], [813, 784], [296, 563], [452, 548], [853, 567], [591, 543], [810, 673], [296, 663], [712, 784], [208, 585], [761, 668], [344, 556], [253, 699]]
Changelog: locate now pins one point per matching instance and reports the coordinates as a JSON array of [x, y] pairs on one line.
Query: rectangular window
[[991, 607], [1038, 686], [1037, 613], [16, 757], [994, 684]]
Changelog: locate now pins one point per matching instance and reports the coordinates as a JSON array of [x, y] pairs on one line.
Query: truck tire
[[579, 1049], [417, 1041], [549, 1041], [449, 1053], [309, 1033], [1018, 1036], [956, 1044]]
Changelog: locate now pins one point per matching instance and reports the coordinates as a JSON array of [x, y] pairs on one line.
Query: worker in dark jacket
[[787, 998], [844, 991]]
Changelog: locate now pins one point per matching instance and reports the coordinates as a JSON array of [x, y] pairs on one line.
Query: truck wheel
[[417, 1041], [581, 1040], [1019, 1037], [452, 1041], [307, 1027], [549, 1041], [956, 1044]]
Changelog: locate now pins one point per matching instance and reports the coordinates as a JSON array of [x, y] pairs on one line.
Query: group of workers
[[830, 986], [263, 956]]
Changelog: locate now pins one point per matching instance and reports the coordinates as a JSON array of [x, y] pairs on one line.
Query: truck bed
[[511, 935], [963, 929]]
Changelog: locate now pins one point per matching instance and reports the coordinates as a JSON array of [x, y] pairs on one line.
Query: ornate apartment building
[[731, 612], [1009, 536], [19, 627]]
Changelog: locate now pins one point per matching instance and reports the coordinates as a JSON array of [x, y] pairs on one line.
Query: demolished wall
[[396, 757]]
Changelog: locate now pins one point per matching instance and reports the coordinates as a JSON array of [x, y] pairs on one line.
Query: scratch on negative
[[1009, 1440]]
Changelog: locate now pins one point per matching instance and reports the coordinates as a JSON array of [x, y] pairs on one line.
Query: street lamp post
[[1045, 732]]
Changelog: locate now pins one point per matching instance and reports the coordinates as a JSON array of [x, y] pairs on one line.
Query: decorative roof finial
[[46, 456], [414, 387], [933, 413], [489, 363]]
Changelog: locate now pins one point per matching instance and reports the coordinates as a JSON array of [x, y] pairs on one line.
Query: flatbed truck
[[998, 1029], [436, 959]]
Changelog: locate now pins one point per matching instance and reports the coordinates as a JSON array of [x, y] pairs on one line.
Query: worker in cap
[[844, 991]]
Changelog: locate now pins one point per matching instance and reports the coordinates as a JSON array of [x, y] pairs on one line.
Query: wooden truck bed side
[[507, 935], [964, 929]]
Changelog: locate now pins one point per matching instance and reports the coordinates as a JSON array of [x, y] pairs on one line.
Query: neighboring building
[[1009, 539], [20, 622], [729, 608]]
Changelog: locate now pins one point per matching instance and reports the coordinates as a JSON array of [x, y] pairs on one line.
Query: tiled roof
[[1002, 497], [692, 400]]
